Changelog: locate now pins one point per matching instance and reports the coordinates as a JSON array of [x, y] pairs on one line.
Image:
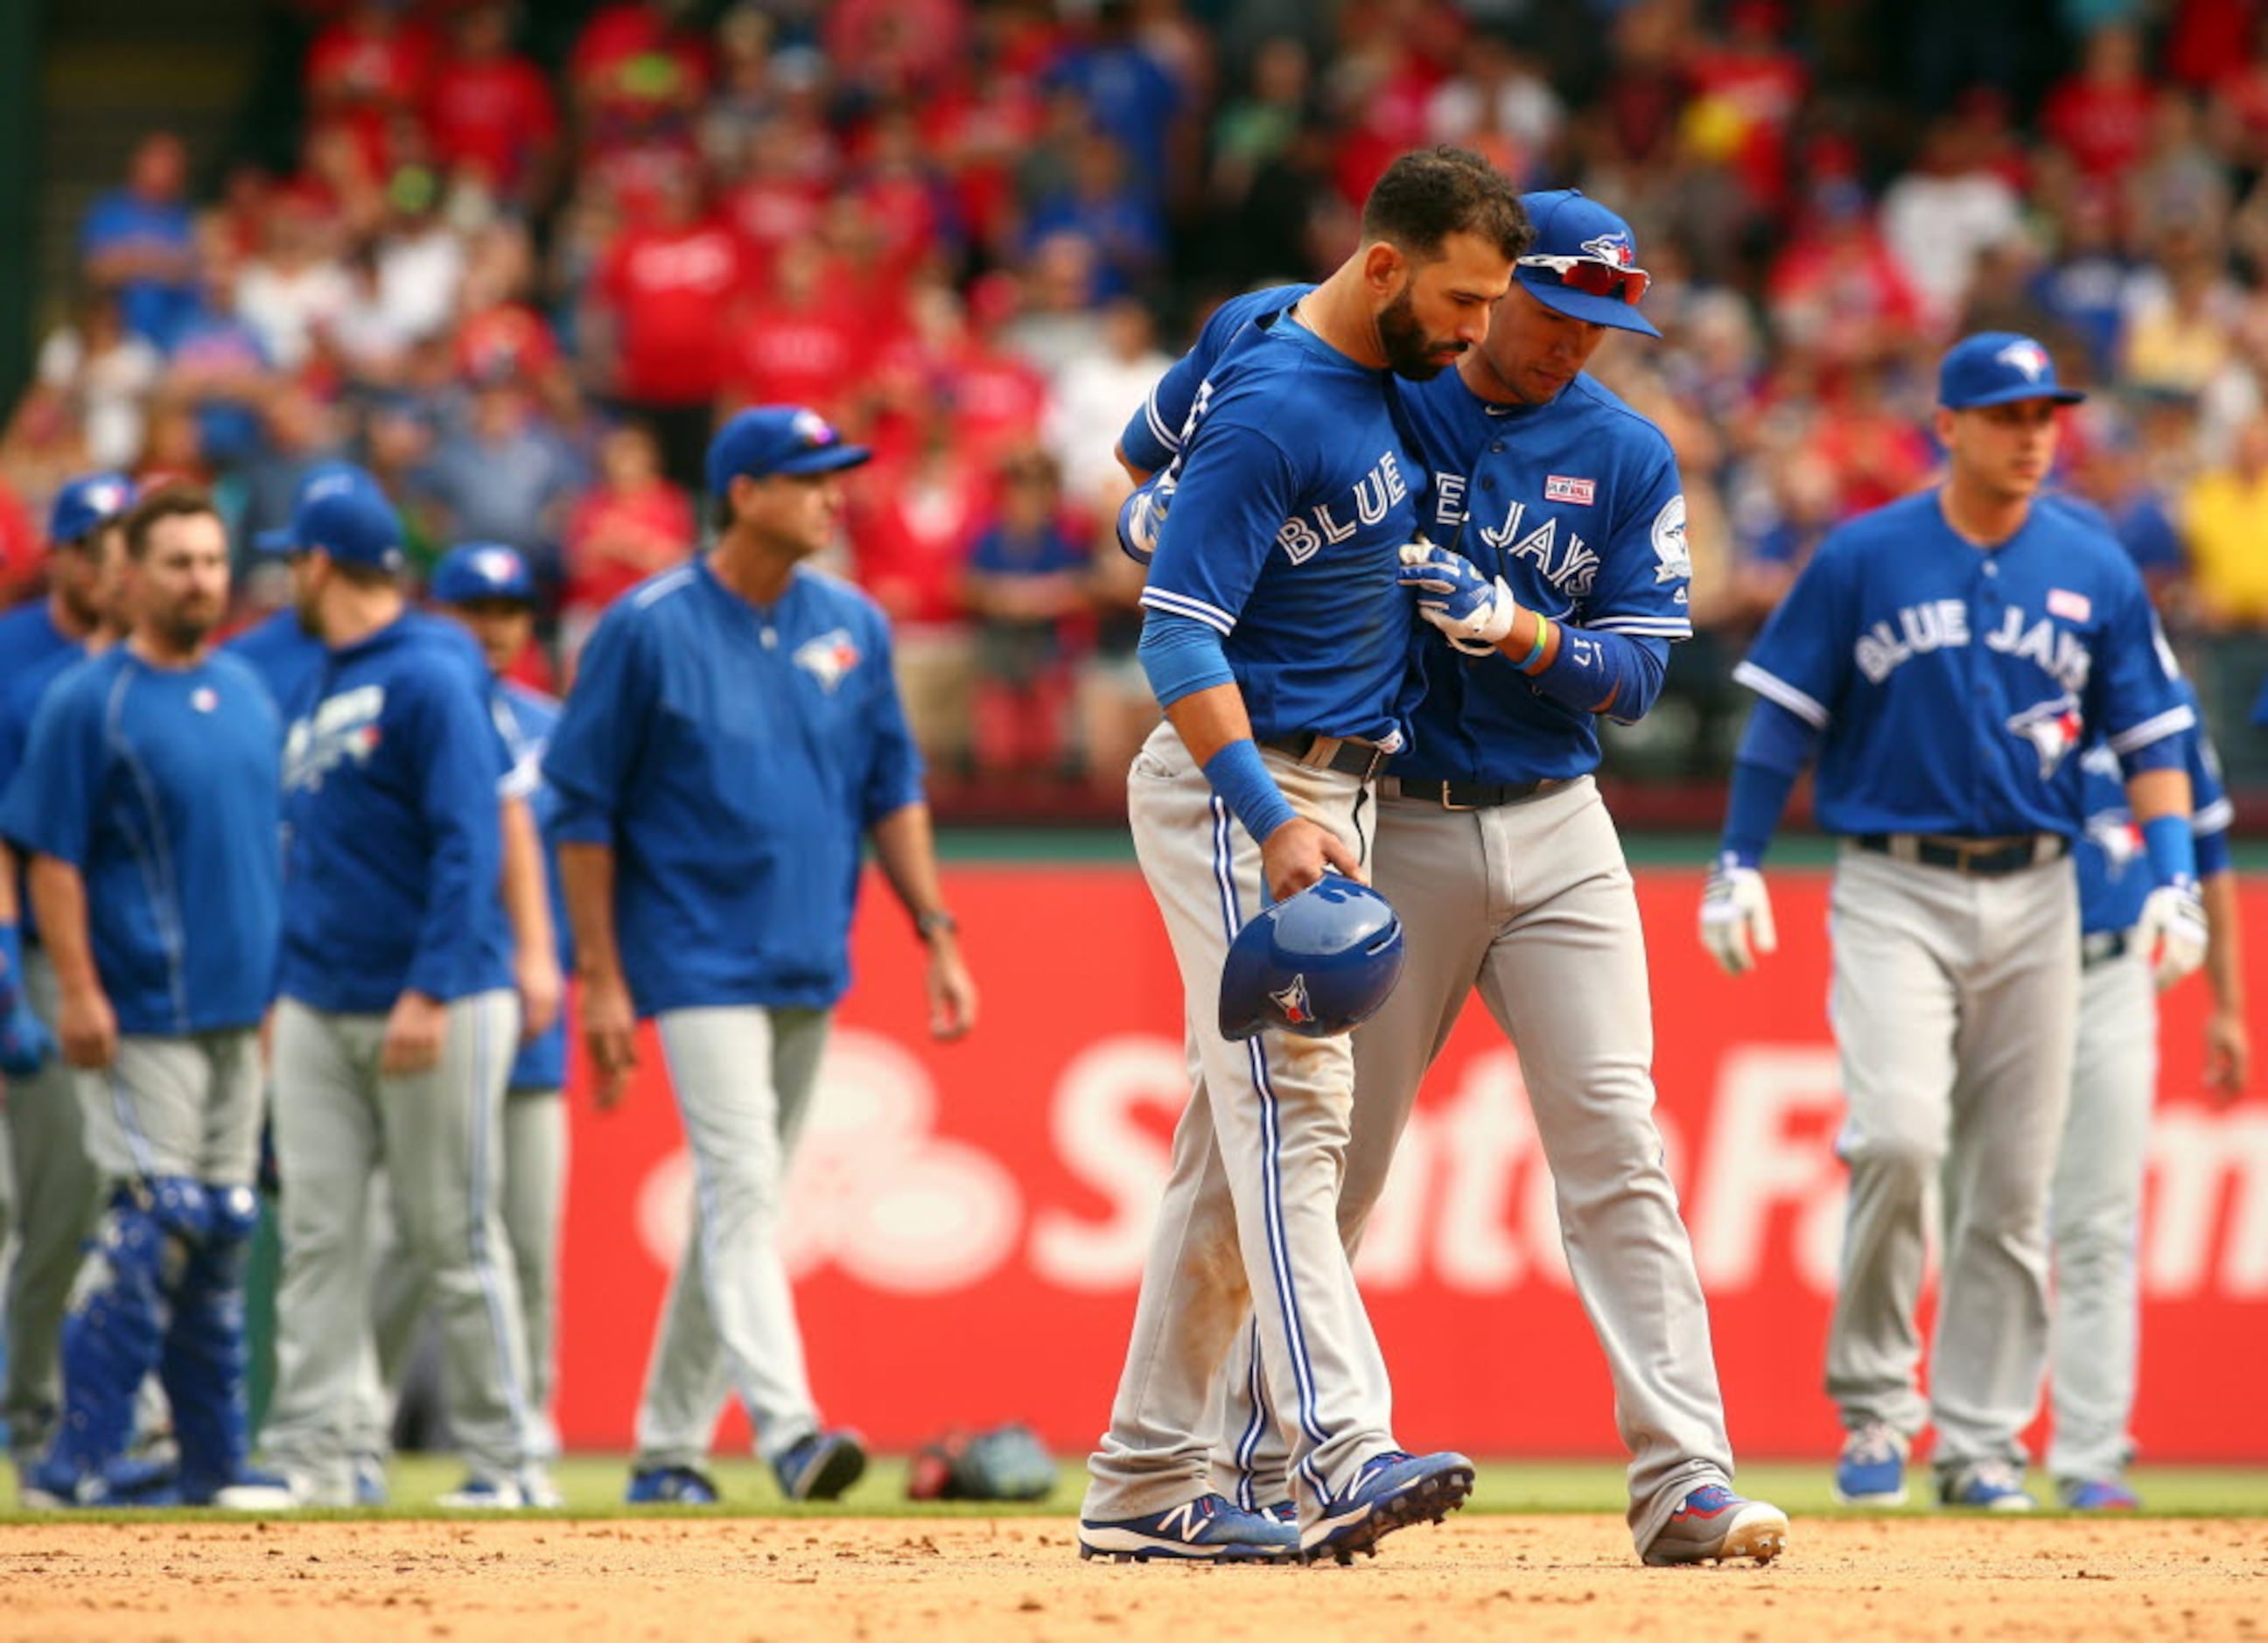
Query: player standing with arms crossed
[[2096, 1201], [734, 733], [1275, 641], [1495, 848], [1944, 656], [57, 1195], [148, 803], [396, 1020]]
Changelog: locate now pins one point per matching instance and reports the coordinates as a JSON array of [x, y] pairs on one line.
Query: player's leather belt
[[2100, 946], [1330, 752], [1980, 858], [1466, 795]]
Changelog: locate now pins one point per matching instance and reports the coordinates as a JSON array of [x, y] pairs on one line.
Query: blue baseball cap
[[481, 570], [87, 502], [1584, 262], [1997, 368], [767, 439], [342, 511]]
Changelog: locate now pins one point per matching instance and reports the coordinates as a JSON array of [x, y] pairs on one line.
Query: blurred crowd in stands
[[519, 287]]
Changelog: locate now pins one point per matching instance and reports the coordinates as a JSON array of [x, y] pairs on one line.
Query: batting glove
[[1139, 516], [1736, 917], [25, 1042], [1474, 613], [2172, 931]]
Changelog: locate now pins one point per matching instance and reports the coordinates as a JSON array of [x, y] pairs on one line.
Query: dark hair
[[174, 500], [1431, 193]]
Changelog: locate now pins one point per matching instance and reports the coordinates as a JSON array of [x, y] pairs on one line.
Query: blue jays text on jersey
[[733, 759], [393, 845], [1576, 503], [1958, 680], [160, 785], [1291, 497]]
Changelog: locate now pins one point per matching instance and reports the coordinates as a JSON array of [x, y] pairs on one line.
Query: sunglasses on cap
[[1593, 277]]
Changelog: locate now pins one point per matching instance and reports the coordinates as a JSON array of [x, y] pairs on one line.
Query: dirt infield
[[1020, 1580]]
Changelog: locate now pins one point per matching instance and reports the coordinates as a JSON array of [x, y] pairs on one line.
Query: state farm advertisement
[[966, 1223]]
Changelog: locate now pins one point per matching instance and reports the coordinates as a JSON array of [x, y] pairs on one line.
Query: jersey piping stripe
[[1655, 627], [2169, 723], [154, 857], [1170, 438], [1272, 1185], [129, 1125], [1248, 1443], [1780, 691], [487, 1091], [664, 588], [2216, 817], [1174, 604]]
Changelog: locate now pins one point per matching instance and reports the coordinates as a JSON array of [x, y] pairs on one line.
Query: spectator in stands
[[103, 373], [1026, 581], [1938, 216], [2099, 113], [296, 281], [2223, 518], [491, 112], [632, 523], [801, 342], [1105, 203], [139, 241], [1093, 390], [367, 75], [506, 476]]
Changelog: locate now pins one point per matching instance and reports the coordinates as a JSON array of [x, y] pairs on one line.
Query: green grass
[[593, 1487]]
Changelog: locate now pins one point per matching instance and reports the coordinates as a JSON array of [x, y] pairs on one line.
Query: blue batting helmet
[[1318, 963]]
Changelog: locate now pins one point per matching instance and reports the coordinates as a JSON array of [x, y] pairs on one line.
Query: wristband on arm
[[1244, 785]]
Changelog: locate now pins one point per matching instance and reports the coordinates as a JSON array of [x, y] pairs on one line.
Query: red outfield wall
[[966, 1223]]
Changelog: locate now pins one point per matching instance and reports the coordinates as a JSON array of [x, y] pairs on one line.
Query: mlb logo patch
[[1559, 487], [2070, 606]]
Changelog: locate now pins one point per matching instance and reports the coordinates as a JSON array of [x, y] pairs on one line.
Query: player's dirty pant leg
[[1274, 1110], [327, 1137], [744, 1078], [2018, 1035], [2095, 1215], [1894, 1009], [534, 1206], [445, 1142], [58, 1199]]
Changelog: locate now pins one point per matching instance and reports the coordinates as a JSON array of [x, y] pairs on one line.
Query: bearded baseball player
[[1277, 640], [149, 801], [57, 1195], [2094, 1226], [1943, 657], [1558, 590]]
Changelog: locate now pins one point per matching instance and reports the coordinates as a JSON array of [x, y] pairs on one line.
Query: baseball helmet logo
[[1293, 1001], [1317, 964]]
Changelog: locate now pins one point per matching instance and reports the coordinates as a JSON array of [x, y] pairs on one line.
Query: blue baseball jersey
[[393, 850], [525, 719], [1952, 683], [734, 758], [284, 655], [1576, 503], [33, 654], [162, 787], [2114, 873], [1292, 496]]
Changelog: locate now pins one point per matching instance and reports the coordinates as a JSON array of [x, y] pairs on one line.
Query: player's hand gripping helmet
[[1317, 964]]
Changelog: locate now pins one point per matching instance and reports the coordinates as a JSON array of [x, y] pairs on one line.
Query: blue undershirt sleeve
[[1181, 656], [1774, 749], [1612, 673]]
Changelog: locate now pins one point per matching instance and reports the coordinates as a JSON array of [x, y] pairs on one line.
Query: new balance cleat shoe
[[1984, 1486], [1712, 1525], [821, 1467], [1285, 1512], [251, 1489], [2098, 1494], [1207, 1529], [1393, 1490], [535, 1484], [670, 1485], [370, 1485], [1872, 1470], [484, 1494]]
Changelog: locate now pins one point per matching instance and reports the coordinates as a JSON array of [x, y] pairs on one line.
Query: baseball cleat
[[1984, 1485], [2098, 1494], [1393, 1490], [821, 1466], [1872, 1470], [1284, 1511], [250, 1490], [1207, 1529], [484, 1494], [52, 1486], [541, 1493], [670, 1485], [1714, 1525], [370, 1485]]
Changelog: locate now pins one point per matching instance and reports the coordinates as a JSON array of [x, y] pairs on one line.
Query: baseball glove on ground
[[1007, 1462]]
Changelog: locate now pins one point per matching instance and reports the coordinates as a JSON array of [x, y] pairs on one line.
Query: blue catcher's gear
[[1317, 964], [86, 502], [204, 1360]]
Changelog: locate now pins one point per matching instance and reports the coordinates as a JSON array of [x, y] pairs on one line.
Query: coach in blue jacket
[[732, 735]]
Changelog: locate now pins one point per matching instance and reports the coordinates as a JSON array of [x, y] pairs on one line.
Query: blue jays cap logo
[[1615, 249], [1292, 1000], [497, 566], [2025, 356], [813, 430]]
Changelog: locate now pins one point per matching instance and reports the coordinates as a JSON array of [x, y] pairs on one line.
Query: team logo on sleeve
[[1673, 560], [1292, 1000], [829, 658], [2053, 727]]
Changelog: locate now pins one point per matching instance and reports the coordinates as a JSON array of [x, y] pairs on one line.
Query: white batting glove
[[1736, 917], [1473, 613], [2172, 930]]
